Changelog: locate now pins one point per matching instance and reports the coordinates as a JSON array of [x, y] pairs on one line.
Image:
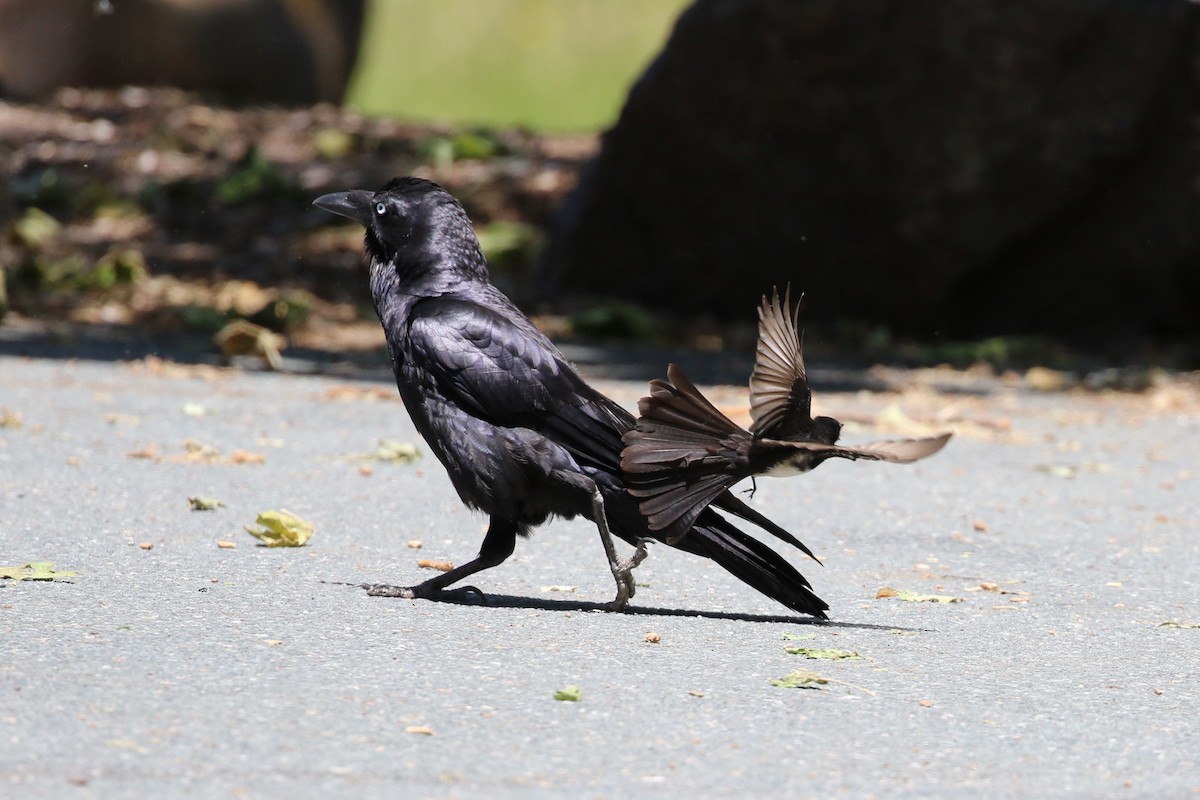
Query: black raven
[[684, 453], [521, 435]]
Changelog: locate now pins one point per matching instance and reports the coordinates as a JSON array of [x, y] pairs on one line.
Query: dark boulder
[[294, 52], [958, 167]]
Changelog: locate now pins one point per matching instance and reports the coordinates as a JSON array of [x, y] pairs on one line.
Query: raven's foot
[[623, 574], [423, 592], [387, 590]]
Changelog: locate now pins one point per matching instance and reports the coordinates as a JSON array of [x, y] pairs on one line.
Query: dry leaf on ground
[[281, 529], [36, 571], [913, 597]]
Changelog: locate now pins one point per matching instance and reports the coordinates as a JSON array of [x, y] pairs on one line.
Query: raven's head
[[414, 226]]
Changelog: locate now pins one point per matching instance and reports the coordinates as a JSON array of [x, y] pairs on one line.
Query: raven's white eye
[[380, 209]]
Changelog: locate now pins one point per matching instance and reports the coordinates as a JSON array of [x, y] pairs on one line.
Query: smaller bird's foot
[[420, 592], [639, 555]]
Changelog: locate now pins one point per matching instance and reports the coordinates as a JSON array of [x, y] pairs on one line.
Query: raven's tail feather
[[727, 502], [753, 563]]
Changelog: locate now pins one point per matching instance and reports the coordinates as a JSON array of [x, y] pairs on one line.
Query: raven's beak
[[356, 204]]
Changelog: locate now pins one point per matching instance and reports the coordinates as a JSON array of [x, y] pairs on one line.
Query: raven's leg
[[498, 545], [622, 570]]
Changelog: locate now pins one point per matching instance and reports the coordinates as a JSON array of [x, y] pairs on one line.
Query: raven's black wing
[[487, 359]]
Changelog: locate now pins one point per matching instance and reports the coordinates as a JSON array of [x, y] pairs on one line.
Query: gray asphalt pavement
[[1068, 524]]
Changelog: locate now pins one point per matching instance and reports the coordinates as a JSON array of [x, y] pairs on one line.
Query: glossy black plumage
[[521, 435]]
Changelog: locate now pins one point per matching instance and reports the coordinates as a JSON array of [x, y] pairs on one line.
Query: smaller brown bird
[[684, 452]]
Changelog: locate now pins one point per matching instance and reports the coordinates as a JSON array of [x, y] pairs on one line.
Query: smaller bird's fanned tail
[[753, 563], [682, 455]]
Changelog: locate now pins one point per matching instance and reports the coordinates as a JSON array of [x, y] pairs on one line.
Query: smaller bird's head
[[413, 225], [826, 430]]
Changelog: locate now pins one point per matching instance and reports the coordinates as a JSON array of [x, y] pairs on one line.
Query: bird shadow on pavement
[[546, 604]]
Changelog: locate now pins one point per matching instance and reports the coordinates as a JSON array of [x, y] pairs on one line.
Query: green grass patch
[[550, 67]]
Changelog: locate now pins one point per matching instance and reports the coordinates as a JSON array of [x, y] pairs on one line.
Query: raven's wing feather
[[752, 562], [500, 368]]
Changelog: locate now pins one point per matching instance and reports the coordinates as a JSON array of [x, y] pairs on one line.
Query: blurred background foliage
[[548, 66], [184, 207]]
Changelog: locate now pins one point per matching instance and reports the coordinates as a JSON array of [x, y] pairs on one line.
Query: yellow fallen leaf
[[800, 679], [913, 597], [397, 452], [440, 566], [36, 571], [423, 730], [829, 653], [281, 529], [197, 503], [242, 338]]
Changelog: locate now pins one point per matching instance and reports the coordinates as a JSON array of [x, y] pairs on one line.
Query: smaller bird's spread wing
[[903, 451], [896, 451], [779, 393]]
